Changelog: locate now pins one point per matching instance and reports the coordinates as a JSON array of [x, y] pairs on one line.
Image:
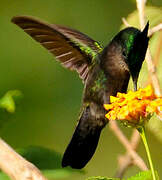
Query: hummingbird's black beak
[[143, 40], [145, 30]]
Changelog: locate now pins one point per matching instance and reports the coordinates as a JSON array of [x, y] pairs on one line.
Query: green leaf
[[47, 160], [49, 174], [7, 102], [101, 178], [3, 176], [144, 175], [56, 174], [43, 158]]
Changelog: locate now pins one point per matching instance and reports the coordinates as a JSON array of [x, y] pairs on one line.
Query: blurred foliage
[[52, 95], [155, 125], [50, 174], [43, 158], [144, 175], [47, 160], [101, 178], [3, 176], [7, 102], [56, 174]]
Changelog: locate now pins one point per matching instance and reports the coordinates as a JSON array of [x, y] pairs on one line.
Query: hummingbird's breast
[[113, 63], [100, 85], [109, 76]]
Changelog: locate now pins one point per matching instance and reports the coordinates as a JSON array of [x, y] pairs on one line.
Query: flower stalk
[[141, 130]]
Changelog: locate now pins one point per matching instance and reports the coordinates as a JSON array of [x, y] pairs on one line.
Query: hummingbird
[[104, 72]]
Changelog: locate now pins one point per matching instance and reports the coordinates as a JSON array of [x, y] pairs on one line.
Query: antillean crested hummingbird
[[104, 72]]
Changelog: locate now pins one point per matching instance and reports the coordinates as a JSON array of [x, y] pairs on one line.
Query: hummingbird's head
[[134, 44]]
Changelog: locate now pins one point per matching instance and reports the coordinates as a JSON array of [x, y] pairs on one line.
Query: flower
[[135, 108]]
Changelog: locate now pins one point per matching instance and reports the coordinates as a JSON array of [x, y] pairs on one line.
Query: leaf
[[101, 178], [56, 174], [7, 102], [3, 176], [144, 175], [49, 174], [42, 157], [47, 160]]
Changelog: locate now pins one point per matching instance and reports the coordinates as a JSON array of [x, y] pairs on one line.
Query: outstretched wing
[[73, 49]]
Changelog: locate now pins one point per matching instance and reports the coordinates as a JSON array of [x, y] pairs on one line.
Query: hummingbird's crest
[[75, 50]]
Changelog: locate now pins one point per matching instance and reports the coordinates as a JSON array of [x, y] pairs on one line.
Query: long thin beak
[[144, 39], [145, 30]]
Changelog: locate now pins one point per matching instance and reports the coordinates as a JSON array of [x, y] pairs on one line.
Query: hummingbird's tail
[[84, 141]]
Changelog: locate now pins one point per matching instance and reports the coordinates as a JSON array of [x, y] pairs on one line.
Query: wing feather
[[72, 48]]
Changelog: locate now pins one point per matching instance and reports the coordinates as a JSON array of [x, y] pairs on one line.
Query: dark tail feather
[[83, 143]]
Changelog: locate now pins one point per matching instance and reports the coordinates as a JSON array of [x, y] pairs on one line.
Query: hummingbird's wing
[[75, 50]]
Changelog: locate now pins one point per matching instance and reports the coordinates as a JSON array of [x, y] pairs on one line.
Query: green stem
[[141, 130]]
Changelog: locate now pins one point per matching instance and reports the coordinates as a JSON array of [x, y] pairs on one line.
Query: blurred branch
[[125, 161], [136, 158], [141, 11], [15, 166], [155, 29], [125, 22]]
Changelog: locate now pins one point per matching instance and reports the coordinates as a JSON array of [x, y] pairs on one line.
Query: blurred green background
[[47, 114]]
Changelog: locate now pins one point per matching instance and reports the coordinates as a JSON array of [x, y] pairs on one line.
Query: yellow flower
[[134, 107]]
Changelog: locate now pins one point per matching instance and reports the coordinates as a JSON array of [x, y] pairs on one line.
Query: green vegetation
[[45, 117]]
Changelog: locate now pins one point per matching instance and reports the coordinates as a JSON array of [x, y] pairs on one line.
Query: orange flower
[[134, 107]]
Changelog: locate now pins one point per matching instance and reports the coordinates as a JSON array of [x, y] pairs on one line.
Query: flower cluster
[[134, 107]]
